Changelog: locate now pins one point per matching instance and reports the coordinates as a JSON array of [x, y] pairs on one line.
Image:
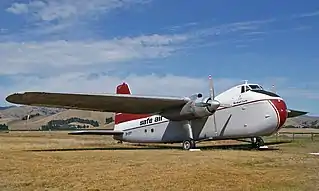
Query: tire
[[188, 144], [260, 141]]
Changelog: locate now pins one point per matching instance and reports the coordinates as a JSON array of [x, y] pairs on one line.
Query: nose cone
[[281, 111]]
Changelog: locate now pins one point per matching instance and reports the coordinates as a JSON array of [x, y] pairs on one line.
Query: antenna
[[273, 88]]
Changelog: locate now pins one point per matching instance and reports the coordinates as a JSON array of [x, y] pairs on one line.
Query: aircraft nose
[[281, 111]]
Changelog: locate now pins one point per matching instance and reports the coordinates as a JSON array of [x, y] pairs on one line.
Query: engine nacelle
[[191, 110]]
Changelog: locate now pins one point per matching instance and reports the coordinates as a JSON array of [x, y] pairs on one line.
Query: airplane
[[245, 111]]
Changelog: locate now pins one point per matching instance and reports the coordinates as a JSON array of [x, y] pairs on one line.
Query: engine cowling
[[196, 108]]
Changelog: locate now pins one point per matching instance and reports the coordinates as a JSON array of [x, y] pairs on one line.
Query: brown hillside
[[19, 112], [37, 122]]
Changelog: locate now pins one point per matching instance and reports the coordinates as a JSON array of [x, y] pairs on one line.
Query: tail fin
[[124, 117]]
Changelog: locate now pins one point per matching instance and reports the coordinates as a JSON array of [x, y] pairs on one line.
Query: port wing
[[119, 103]]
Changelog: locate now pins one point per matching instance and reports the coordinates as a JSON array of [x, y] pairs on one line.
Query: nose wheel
[[257, 142]]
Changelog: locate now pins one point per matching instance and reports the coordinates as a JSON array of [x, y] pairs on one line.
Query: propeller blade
[[211, 87], [214, 104]]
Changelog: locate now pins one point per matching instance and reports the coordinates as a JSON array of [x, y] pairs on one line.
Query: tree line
[[4, 127], [306, 124], [65, 124]]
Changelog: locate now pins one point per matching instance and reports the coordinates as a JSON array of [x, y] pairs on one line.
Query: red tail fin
[[123, 117]]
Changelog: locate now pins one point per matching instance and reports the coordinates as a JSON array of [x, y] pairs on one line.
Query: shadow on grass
[[165, 147]]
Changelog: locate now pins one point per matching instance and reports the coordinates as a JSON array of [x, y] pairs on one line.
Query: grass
[[57, 161]]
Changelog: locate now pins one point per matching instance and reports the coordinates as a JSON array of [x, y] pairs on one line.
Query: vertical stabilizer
[[124, 117]]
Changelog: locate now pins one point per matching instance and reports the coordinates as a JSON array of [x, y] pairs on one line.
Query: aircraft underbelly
[[255, 119]]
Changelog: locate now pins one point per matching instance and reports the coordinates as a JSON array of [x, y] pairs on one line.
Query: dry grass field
[[57, 161]]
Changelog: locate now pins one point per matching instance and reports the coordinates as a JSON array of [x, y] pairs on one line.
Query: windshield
[[246, 88], [255, 87]]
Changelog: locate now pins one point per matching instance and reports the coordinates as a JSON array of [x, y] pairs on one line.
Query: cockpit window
[[255, 87], [245, 89]]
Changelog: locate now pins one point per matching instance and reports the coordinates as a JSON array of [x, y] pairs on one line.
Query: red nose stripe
[[281, 110]]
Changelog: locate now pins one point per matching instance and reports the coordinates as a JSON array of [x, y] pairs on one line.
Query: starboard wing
[[96, 132], [295, 113], [120, 103]]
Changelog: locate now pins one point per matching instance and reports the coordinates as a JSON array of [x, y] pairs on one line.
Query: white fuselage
[[252, 114]]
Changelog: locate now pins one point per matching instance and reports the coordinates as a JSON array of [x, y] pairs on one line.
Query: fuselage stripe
[[243, 104]]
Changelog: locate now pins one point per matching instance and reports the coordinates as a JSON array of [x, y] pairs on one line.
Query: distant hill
[[303, 121], [7, 107], [13, 116]]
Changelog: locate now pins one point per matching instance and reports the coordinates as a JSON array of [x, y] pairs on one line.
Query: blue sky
[[160, 47]]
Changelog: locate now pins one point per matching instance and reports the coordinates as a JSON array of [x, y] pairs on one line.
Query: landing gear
[[189, 143], [257, 142]]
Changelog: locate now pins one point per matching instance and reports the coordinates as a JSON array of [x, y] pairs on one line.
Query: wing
[[295, 113], [96, 132], [121, 103]]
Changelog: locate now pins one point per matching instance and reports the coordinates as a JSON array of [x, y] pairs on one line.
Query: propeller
[[211, 103]]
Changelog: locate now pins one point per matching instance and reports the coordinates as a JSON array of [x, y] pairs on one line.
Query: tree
[[109, 120], [4, 127]]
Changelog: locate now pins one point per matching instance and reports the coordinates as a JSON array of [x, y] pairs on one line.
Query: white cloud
[[48, 17], [30, 56], [65, 9], [18, 8], [308, 14]]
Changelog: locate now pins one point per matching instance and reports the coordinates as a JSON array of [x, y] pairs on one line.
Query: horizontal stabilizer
[[96, 132], [295, 113]]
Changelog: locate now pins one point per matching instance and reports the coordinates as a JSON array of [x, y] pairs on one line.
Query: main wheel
[[188, 144], [260, 141], [257, 142]]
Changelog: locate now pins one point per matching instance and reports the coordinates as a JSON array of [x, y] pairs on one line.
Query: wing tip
[[14, 98], [296, 113]]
